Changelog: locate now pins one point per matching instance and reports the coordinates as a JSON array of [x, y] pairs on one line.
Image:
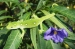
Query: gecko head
[[12, 25]]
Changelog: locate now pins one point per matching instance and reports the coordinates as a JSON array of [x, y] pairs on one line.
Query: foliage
[[24, 22]]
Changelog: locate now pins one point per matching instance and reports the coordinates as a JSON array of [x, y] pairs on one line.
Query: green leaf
[[54, 45], [25, 16], [33, 36], [4, 17], [41, 43], [3, 36], [29, 46], [48, 22], [51, 45], [2, 11], [27, 8], [13, 40], [65, 11], [48, 45], [40, 4], [71, 44], [1, 22], [9, 1]]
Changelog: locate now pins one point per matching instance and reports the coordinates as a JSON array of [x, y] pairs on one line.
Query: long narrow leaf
[[13, 40], [33, 37], [4, 17], [9, 0], [71, 44], [3, 36], [2, 11], [65, 11], [40, 4], [55, 46], [25, 16], [41, 42]]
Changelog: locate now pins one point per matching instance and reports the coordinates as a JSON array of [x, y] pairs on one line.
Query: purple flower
[[57, 35]]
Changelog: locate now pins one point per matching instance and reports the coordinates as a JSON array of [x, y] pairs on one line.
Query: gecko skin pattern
[[28, 23]]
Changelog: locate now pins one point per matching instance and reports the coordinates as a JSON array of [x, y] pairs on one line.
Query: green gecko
[[28, 23]]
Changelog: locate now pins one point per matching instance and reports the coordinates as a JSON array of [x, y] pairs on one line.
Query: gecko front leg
[[23, 32], [41, 28]]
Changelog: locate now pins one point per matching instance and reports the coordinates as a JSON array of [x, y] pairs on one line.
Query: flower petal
[[55, 38], [62, 33], [61, 39], [50, 31], [47, 37], [48, 34], [65, 32]]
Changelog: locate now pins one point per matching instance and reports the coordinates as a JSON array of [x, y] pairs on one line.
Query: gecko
[[28, 23]]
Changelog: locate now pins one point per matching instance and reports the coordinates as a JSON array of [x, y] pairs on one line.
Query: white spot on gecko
[[34, 23], [26, 24], [14, 24], [21, 24]]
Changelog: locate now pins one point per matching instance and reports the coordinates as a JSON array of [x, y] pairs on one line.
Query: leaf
[[41, 43], [9, 1], [33, 37], [60, 24], [23, 10], [27, 8], [2, 11], [29, 46], [65, 11], [55, 46], [48, 22], [13, 40], [71, 44], [4, 17], [40, 4], [3, 36], [48, 45], [1, 22], [25, 16]]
